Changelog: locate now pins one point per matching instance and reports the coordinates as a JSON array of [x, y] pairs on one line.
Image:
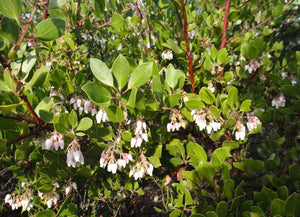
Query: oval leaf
[[140, 75], [96, 93], [50, 29], [11, 8], [121, 70], [84, 124], [115, 113], [101, 72]]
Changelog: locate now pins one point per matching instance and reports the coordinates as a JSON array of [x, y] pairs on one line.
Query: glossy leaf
[[56, 4], [50, 29], [101, 72], [206, 95], [11, 8], [10, 29], [232, 96], [29, 62], [97, 94], [84, 124], [140, 75], [115, 114], [121, 70], [195, 153]]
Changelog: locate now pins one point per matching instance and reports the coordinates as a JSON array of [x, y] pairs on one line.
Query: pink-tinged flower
[[199, 118], [55, 141], [215, 126], [278, 102], [103, 159], [252, 66], [240, 132], [140, 168], [176, 121], [74, 155], [253, 122], [136, 142], [101, 116], [167, 55], [112, 167], [87, 106]]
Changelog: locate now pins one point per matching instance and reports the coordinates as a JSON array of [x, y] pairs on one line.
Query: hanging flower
[[279, 101], [240, 132], [74, 155]]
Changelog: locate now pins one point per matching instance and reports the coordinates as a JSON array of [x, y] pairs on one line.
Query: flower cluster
[[55, 141], [176, 122], [87, 106], [278, 101], [140, 134], [74, 155], [191, 34], [69, 188], [140, 168], [252, 66], [167, 55], [252, 123], [199, 117], [50, 198], [20, 200], [108, 159]]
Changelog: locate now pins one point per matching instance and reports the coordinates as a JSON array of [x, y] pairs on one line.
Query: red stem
[[45, 12], [25, 136], [18, 119], [243, 33], [225, 24], [242, 5], [184, 29], [214, 4], [36, 118]]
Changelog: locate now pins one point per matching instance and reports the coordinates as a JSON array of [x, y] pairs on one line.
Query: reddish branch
[[225, 24], [214, 4], [242, 5], [243, 33], [18, 119], [184, 30], [25, 136], [32, 112], [45, 12]]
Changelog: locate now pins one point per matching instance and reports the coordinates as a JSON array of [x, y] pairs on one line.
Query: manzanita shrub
[[102, 99]]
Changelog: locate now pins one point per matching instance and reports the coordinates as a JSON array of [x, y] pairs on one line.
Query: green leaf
[[172, 100], [65, 203], [121, 70], [222, 209], [176, 212], [10, 29], [11, 9], [43, 109], [206, 170], [294, 172], [97, 94], [56, 4], [39, 77], [140, 75], [232, 96], [173, 75], [194, 104], [214, 111], [245, 106], [84, 124], [234, 15], [174, 46], [99, 6], [101, 72], [206, 95], [29, 62], [219, 156], [117, 22], [231, 144], [211, 214], [278, 10], [50, 29], [46, 213], [222, 56], [249, 51], [277, 207], [195, 153], [73, 119], [115, 114], [157, 88], [7, 108], [292, 204], [20, 154], [154, 161]]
